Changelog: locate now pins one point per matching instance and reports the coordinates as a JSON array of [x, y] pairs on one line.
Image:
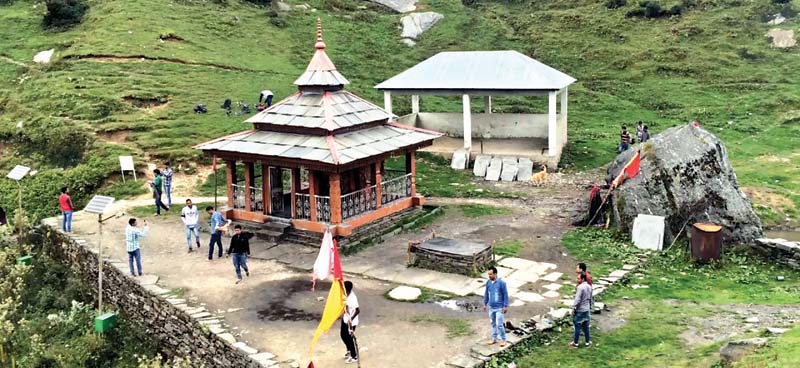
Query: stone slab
[[216, 329], [514, 283], [494, 169], [517, 263], [524, 276], [552, 277], [246, 349], [400, 6], [201, 315], [227, 337], [517, 302], [559, 314], [628, 267], [551, 294], [406, 293], [505, 272], [155, 289], [480, 165], [524, 169], [463, 361], [553, 287], [460, 160], [618, 273], [529, 297], [147, 280], [509, 170], [175, 301]]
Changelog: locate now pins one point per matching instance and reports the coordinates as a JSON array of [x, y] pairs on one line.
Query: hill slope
[[118, 87]]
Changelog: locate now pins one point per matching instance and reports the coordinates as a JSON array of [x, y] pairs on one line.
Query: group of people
[[496, 301], [160, 185], [625, 139]]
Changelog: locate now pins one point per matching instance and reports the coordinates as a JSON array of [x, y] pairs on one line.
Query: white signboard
[[648, 232], [126, 164]]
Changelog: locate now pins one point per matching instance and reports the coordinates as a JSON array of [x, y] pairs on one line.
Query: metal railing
[[359, 202], [389, 174], [323, 208], [302, 206], [238, 197], [256, 200], [397, 188]]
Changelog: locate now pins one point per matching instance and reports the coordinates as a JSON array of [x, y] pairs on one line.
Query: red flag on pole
[[214, 164], [630, 170]]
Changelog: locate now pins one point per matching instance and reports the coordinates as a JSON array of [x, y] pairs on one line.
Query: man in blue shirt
[[495, 297], [217, 222], [168, 182], [132, 237]]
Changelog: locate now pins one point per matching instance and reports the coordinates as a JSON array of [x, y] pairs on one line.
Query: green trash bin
[[105, 322], [26, 260]]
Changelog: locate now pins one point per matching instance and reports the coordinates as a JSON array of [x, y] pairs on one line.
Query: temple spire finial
[[320, 45]]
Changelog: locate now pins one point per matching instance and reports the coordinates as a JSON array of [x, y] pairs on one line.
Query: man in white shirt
[[190, 215], [349, 323], [267, 96]]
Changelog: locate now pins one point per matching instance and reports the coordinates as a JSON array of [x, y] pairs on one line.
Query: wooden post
[[378, 181], [312, 191], [265, 187], [249, 176], [230, 176], [295, 189], [411, 168], [336, 198]]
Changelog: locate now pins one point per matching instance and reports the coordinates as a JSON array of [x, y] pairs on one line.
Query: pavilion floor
[[532, 148]]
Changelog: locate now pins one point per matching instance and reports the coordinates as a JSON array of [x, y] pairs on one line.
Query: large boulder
[[415, 24], [685, 175], [400, 6]]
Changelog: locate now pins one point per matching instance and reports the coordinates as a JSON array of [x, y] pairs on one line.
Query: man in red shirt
[[65, 203], [582, 269]]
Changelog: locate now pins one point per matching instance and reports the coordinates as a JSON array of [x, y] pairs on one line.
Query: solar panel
[[18, 172], [99, 204]]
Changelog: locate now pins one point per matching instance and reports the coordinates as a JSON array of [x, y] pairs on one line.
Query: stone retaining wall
[[180, 329], [781, 250]]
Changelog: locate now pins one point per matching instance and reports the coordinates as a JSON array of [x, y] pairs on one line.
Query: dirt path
[[12, 61]]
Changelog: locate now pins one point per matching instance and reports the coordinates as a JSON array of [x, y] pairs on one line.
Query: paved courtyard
[[275, 310]]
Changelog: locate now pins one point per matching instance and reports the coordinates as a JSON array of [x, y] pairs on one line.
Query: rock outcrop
[[415, 24], [400, 6], [685, 176]]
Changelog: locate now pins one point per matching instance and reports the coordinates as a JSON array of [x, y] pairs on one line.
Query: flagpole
[[214, 167], [611, 188]]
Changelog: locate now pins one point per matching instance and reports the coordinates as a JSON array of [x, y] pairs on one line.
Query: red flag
[[630, 170], [214, 165], [311, 365]]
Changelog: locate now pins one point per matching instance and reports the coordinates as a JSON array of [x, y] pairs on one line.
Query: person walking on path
[[240, 250], [132, 237], [65, 203], [624, 140], [168, 183], [495, 297], [157, 186], [581, 268], [349, 323], [582, 308], [190, 215], [217, 222]]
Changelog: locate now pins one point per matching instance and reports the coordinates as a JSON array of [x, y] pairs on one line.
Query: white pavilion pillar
[[415, 104], [387, 101], [467, 123], [564, 94], [487, 104], [552, 127]]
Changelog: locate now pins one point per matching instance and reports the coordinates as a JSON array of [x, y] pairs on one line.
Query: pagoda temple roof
[[336, 149]]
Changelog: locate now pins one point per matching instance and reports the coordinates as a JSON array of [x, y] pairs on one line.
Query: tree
[[64, 13]]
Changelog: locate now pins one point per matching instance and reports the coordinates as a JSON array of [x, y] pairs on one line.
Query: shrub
[[652, 9], [614, 4], [64, 13], [260, 2], [6, 2]]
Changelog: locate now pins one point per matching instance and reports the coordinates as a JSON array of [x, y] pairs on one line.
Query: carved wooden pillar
[[265, 188], [378, 181], [249, 179], [312, 191], [295, 189], [230, 178], [411, 168], [336, 198]]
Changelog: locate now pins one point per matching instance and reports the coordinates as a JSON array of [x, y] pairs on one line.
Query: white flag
[[323, 264]]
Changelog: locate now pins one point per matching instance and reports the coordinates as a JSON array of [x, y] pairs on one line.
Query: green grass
[[126, 189], [455, 327], [508, 248], [480, 210], [782, 352], [603, 251]]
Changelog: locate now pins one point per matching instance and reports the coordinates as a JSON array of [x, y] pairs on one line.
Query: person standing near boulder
[[645, 135], [582, 306], [168, 183], [639, 131], [495, 297], [240, 250], [65, 203], [132, 237], [157, 187], [190, 215], [624, 140]]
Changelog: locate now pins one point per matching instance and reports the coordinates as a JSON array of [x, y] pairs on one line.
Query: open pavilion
[[540, 137]]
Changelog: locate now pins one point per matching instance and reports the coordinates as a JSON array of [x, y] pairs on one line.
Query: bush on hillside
[[64, 13], [6, 2], [260, 2], [652, 9], [614, 4]]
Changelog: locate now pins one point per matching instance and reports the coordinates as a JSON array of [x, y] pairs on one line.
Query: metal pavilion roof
[[327, 110], [320, 70], [479, 70], [336, 149]]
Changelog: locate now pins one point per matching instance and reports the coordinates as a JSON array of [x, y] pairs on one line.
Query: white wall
[[483, 125]]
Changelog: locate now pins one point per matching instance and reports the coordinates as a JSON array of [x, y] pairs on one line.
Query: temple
[[316, 159]]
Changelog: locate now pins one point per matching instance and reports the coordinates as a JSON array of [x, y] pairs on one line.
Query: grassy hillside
[[116, 86]]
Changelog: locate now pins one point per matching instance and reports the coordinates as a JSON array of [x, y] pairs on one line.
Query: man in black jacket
[[240, 248]]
